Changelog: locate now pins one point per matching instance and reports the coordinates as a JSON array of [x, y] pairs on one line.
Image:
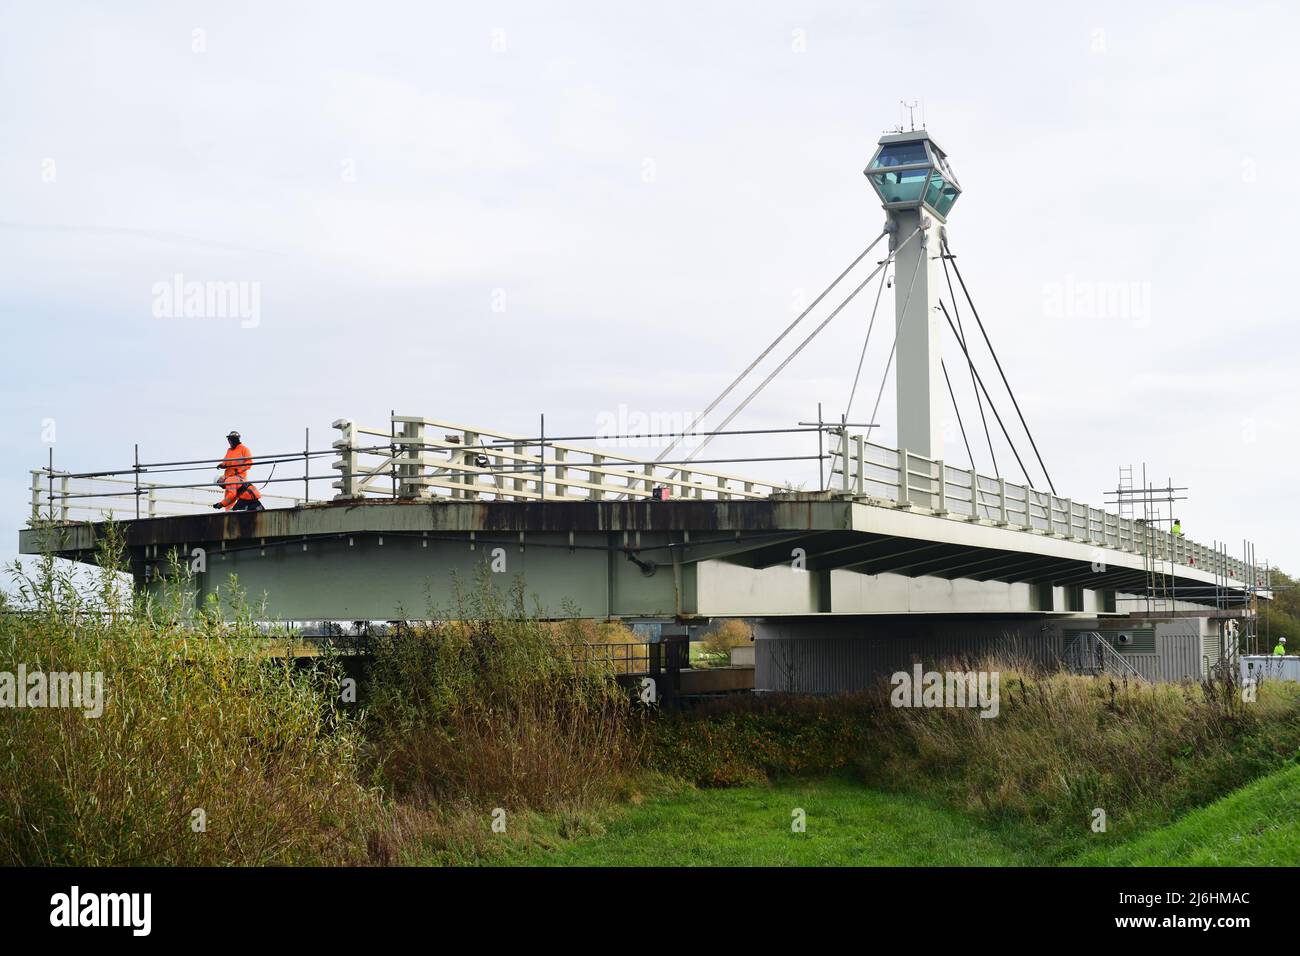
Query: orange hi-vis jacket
[[235, 466], [237, 490], [237, 461]]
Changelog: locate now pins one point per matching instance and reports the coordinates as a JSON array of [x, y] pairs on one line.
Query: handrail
[[408, 459], [75, 495], [515, 467], [911, 481], [1077, 656]]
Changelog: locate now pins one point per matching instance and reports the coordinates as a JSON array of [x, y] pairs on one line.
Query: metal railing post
[[347, 459], [904, 491], [858, 482], [413, 452], [844, 459], [469, 441], [561, 472]]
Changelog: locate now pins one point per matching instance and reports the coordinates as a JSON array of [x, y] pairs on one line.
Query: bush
[[728, 634], [745, 739], [1063, 745], [196, 718], [490, 707]]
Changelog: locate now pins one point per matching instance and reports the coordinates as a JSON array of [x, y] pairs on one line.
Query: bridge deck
[[368, 558]]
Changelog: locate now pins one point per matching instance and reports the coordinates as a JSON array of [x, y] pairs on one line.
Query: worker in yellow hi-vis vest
[[1281, 647]]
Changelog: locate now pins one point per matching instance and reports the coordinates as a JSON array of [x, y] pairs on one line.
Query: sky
[[487, 212]]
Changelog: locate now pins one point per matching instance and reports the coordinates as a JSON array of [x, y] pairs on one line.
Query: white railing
[[427, 458], [908, 480]]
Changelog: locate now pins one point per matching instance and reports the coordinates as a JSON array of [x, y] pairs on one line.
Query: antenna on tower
[[911, 114]]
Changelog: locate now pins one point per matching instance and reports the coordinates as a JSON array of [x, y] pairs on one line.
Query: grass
[[1060, 747], [847, 824], [1258, 825]]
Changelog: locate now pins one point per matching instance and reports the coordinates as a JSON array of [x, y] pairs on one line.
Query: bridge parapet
[[427, 457], [908, 480], [417, 458]]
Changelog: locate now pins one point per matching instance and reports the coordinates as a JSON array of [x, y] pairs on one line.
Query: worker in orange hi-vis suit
[[241, 494]]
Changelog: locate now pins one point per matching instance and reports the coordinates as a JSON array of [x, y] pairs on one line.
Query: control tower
[[917, 188]]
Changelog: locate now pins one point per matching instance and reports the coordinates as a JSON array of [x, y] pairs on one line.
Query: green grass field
[[1258, 825], [848, 824]]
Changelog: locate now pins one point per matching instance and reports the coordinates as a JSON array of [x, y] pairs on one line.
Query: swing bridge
[[811, 529]]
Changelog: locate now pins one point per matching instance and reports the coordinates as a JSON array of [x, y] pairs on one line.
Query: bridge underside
[[792, 555]]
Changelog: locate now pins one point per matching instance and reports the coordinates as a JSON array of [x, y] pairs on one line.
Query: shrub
[[728, 634], [196, 718], [490, 706]]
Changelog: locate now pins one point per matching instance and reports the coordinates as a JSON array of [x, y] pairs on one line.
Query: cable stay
[[848, 409], [978, 401], [957, 412], [790, 358], [767, 351], [948, 251], [975, 490], [993, 408]]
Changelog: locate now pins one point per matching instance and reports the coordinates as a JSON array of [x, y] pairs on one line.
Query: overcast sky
[[483, 212]]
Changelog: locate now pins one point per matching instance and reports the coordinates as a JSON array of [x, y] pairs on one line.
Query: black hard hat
[[233, 434]]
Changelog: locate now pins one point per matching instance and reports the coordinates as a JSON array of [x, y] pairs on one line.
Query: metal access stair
[[1091, 654]]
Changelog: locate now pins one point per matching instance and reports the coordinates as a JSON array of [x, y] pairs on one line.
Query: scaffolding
[[1155, 505], [1157, 521]]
